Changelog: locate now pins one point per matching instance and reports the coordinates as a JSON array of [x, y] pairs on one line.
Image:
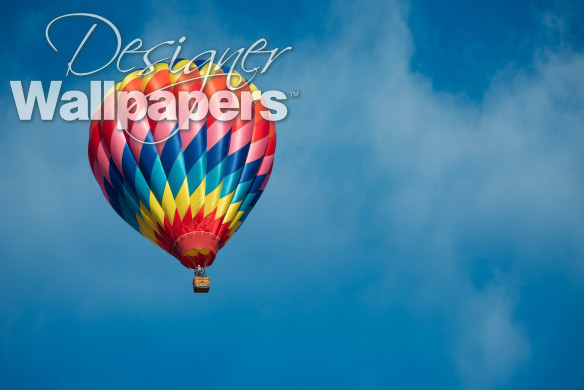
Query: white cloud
[[490, 343], [502, 176]]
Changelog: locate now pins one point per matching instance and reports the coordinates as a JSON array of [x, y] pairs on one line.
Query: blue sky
[[423, 228]]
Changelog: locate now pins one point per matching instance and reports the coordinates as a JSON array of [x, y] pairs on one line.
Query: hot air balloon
[[186, 190]]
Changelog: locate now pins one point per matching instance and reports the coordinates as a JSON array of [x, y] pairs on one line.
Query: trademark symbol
[[294, 94]]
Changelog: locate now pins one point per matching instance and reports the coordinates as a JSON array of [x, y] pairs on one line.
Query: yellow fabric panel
[[151, 238], [156, 209], [146, 230], [195, 252], [168, 204], [198, 198], [212, 199], [148, 235], [223, 205], [182, 199], [232, 211], [210, 67], [148, 218], [236, 220], [235, 79], [256, 95], [233, 228]]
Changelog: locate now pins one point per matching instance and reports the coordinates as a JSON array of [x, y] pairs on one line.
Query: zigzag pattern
[[187, 191]]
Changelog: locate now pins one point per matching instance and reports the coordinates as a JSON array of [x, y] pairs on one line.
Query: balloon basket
[[201, 284]]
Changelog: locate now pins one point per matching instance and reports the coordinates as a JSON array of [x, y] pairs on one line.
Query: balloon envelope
[[186, 190]]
